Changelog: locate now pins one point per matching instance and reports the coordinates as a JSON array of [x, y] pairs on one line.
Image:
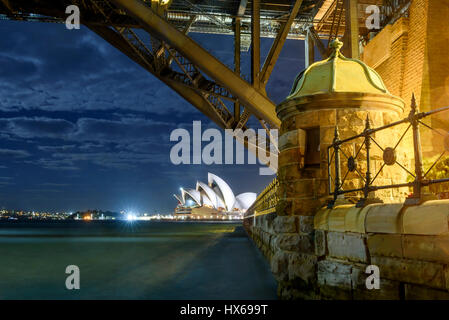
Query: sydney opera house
[[214, 200]]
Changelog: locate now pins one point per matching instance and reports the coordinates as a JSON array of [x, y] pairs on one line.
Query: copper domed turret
[[336, 92], [335, 80]]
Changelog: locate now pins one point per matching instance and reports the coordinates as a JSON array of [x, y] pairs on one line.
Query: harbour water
[[138, 260]]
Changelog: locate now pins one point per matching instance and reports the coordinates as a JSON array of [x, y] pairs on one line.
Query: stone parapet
[[326, 256], [409, 245], [430, 218]]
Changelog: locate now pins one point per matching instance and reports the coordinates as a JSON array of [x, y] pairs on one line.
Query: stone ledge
[[348, 246], [412, 271], [429, 218]]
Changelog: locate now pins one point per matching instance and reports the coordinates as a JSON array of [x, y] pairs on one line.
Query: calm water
[[139, 260]]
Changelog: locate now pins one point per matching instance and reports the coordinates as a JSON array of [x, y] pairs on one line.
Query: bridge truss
[[154, 34]]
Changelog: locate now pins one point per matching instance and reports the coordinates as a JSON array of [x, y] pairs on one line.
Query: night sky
[[84, 127]]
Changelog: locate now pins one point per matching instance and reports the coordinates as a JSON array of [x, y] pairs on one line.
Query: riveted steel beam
[[255, 43], [257, 102], [319, 44], [278, 43], [309, 50], [189, 94], [351, 37]]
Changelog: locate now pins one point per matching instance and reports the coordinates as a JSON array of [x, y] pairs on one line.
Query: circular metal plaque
[[352, 164], [389, 156]]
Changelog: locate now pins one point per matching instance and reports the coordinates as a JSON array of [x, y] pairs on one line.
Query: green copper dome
[[337, 74]]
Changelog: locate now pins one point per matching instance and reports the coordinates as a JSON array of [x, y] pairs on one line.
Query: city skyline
[[85, 127]]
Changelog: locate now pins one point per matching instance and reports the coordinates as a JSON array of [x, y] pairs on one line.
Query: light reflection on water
[[119, 260]]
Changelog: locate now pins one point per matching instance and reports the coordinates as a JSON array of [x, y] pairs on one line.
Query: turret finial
[[336, 45]]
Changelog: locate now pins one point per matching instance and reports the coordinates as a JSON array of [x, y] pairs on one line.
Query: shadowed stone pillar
[[336, 91]]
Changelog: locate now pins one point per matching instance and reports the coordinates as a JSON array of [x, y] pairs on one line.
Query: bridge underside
[[154, 34]]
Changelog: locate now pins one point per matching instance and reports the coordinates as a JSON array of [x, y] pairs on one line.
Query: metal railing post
[[417, 186], [337, 164], [368, 162]]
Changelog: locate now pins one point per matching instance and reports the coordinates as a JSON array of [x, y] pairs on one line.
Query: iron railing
[[266, 201], [334, 152]]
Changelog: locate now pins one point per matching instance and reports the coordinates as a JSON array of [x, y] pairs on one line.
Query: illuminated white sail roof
[[180, 199], [244, 200], [226, 191], [194, 194], [206, 201], [209, 192], [217, 195]]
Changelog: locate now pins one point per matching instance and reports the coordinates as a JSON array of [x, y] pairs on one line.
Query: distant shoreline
[[24, 221]]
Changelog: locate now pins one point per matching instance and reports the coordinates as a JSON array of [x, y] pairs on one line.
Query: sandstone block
[[302, 266], [430, 218], [279, 265], [411, 271], [283, 207], [347, 246], [291, 156], [355, 220], [320, 243], [287, 241], [387, 245], [292, 139], [384, 218], [389, 290], [334, 274], [336, 218], [307, 206], [295, 242], [320, 220], [285, 224], [307, 119], [327, 117], [266, 238], [414, 292], [305, 224], [428, 248]]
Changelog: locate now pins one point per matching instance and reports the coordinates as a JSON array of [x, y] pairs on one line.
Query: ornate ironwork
[[352, 164], [334, 152], [389, 156], [266, 201]]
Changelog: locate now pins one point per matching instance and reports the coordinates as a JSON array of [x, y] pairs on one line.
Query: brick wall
[[411, 58], [405, 71]]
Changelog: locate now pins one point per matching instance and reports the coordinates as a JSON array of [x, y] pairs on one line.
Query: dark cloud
[[125, 129], [56, 148], [55, 164], [117, 160], [14, 153], [38, 127], [79, 116]]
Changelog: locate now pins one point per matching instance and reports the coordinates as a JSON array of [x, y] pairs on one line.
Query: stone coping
[[429, 218], [340, 100]]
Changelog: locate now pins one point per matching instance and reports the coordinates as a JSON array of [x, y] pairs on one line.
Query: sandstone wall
[[326, 256]]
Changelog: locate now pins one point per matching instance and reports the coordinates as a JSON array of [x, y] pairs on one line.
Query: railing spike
[[367, 122], [413, 105], [336, 134]]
